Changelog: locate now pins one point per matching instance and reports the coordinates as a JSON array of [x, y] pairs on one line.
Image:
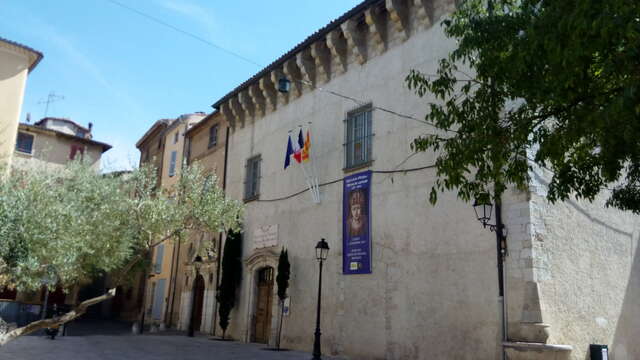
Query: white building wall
[[433, 291]]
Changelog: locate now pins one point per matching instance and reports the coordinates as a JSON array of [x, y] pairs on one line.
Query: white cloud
[[194, 12]]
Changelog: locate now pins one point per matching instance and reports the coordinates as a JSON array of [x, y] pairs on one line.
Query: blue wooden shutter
[[159, 256], [158, 300]]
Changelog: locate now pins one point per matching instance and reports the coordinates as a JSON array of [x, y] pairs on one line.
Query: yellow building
[[163, 146], [16, 62], [195, 291]]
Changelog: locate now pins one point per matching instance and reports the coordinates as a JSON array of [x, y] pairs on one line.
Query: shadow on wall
[[625, 341], [8, 72]]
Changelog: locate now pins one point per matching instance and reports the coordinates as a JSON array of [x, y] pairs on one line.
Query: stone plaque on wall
[[265, 236]]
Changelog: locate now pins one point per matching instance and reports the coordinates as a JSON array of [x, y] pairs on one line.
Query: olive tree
[[66, 226]]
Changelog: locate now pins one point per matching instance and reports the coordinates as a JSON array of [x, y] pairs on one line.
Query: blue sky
[[122, 71]]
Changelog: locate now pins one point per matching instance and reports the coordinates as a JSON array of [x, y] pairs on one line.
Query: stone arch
[[260, 259]]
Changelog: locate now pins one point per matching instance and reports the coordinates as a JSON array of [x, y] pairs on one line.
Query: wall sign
[[356, 228], [265, 236]]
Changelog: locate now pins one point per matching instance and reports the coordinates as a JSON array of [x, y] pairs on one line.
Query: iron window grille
[[24, 143], [252, 179], [213, 136], [358, 137]]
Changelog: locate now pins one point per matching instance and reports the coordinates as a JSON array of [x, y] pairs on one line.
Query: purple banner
[[356, 228]]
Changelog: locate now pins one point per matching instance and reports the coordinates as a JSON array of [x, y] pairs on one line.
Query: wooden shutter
[[159, 257], [158, 300]]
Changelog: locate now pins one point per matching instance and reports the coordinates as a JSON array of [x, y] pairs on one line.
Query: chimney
[[90, 126], [28, 118]]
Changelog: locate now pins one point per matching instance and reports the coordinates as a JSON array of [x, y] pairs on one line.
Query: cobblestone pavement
[[115, 343]]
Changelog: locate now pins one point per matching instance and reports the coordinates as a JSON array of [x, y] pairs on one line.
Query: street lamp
[[322, 250], [483, 207], [284, 85], [197, 263]]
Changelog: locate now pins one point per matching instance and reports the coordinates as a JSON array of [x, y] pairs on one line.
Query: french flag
[[287, 157]]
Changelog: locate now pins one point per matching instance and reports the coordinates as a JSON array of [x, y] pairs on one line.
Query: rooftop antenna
[[52, 97]]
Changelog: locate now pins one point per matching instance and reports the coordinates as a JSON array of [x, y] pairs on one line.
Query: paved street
[[113, 342]]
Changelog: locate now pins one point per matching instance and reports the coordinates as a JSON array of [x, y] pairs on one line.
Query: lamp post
[[483, 208], [322, 250], [197, 262]]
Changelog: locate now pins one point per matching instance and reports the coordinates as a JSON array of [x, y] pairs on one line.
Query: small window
[[213, 136], [359, 136], [172, 164], [159, 143], [176, 137], [75, 150], [81, 134], [252, 179], [24, 143]]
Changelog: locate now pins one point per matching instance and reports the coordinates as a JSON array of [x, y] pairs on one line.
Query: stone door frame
[[260, 259]]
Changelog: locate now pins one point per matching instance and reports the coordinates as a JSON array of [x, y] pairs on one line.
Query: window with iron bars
[[358, 138], [252, 178]]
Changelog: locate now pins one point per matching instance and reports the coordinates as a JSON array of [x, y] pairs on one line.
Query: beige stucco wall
[[13, 78], [585, 259], [433, 291], [50, 150], [212, 160]]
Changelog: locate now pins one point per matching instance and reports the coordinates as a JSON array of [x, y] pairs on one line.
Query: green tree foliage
[[555, 83], [231, 277], [282, 280], [63, 227], [284, 273]]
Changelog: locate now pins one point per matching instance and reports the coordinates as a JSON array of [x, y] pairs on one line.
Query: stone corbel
[[307, 66], [225, 108], [292, 72], [400, 16], [238, 112], [322, 56], [337, 44], [423, 13], [247, 104], [269, 92], [258, 99], [377, 28], [355, 39]]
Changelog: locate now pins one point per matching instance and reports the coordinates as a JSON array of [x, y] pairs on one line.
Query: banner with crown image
[[356, 225]]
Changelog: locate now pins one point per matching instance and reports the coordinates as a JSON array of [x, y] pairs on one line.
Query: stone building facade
[[205, 145], [570, 271]]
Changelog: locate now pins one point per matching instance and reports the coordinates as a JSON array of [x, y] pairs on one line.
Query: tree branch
[[46, 323]]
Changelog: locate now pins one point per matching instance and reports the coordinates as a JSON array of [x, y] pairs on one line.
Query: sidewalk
[[119, 345]]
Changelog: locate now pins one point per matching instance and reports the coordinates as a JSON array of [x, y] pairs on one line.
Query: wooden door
[[263, 305], [198, 301]]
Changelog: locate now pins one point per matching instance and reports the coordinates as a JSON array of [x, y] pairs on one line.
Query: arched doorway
[[198, 288], [264, 302]]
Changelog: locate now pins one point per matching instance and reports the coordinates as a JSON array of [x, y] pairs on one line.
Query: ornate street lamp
[[197, 263], [483, 207], [284, 84], [322, 250]]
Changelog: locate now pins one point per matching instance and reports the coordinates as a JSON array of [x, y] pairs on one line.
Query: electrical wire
[[184, 32], [342, 179], [233, 53]]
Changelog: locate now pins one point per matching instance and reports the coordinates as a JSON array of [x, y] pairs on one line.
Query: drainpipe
[[224, 188], [501, 247]]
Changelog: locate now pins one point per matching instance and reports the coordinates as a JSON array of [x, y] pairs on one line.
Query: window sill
[[252, 198], [358, 167], [24, 153]]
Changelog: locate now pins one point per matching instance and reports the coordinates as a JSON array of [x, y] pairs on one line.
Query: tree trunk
[[280, 327], [58, 320]]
